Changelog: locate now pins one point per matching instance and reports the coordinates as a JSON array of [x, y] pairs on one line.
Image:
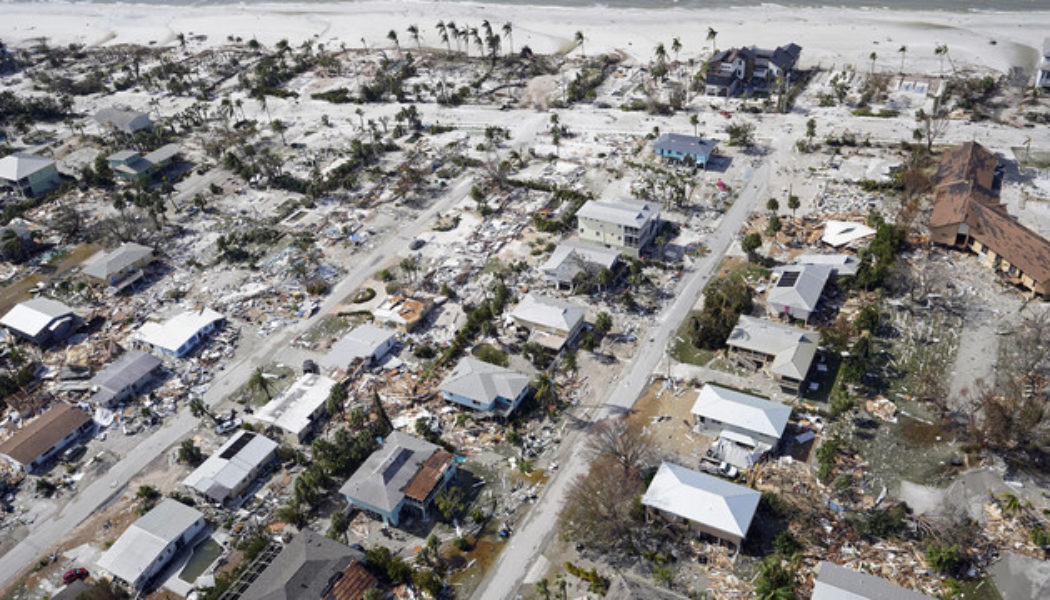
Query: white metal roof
[[839, 583], [548, 312], [707, 500], [627, 214], [176, 331], [32, 316], [745, 411], [17, 166], [484, 382], [802, 291], [362, 342], [232, 463], [840, 233], [841, 264], [104, 264], [291, 409], [570, 258], [792, 348], [145, 540]]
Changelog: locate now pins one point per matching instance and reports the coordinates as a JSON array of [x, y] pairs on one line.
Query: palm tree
[[545, 389], [543, 587], [443, 33], [873, 56], [660, 53], [453, 32], [199, 409], [772, 205], [259, 382], [903, 50], [793, 204], [711, 35], [676, 47], [392, 36], [360, 115], [694, 120], [579, 42], [474, 35], [340, 524], [508, 30], [278, 127], [494, 44], [1011, 503], [941, 50], [413, 31], [12, 247]]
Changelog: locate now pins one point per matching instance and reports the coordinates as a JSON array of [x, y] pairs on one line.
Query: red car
[[725, 114], [722, 185], [73, 575]]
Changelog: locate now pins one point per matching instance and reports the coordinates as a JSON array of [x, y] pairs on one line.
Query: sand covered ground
[[829, 36]]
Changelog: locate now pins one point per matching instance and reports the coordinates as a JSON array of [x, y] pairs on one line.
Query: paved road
[[46, 534], [537, 531]]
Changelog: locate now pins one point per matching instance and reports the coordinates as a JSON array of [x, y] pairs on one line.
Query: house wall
[[698, 528], [613, 235], [468, 402], [170, 551], [708, 425], [795, 312], [389, 517], [58, 447], [382, 350]]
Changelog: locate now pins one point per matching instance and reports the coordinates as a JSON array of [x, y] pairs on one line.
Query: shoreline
[[829, 36]]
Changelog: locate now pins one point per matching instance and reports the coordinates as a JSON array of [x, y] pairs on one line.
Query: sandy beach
[[830, 36]]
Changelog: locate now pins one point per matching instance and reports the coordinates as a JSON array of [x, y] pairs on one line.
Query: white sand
[[829, 36]]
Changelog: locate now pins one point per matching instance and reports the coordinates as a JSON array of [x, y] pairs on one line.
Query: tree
[[190, 454], [741, 134], [903, 50], [631, 449], [292, 514], [383, 426], [392, 36], [579, 42], [873, 56], [750, 243], [694, 120], [413, 32], [776, 580], [772, 205], [676, 47], [543, 588], [931, 126], [508, 31], [711, 35], [811, 128], [598, 510], [340, 524], [793, 204], [603, 322], [660, 53], [259, 382], [12, 247], [198, 409], [941, 51], [336, 401]]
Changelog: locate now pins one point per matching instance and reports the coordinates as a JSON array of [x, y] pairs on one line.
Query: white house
[[797, 290], [711, 505], [748, 426], [41, 321], [486, 387], [120, 267], [839, 583], [123, 120], [573, 259], [553, 322], [181, 334], [150, 543], [225, 475], [842, 233], [123, 379], [28, 174], [300, 408], [367, 342], [627, 227]]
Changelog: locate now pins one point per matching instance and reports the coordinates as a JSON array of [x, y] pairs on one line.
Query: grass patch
[[248, 395], [683, 350], [332, 326], [980, 589], [825, 379], [1038, 159]]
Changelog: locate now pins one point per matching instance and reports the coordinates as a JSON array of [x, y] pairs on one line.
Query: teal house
[[685, 149], [485, 387]]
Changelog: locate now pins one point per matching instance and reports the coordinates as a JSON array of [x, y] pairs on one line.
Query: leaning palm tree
[[507, 31], [260, 383], [711, 35], [903, 50], [392, 36], [1011, 503], [199, 409], [941, 50], [443, 34], [413, 31], [474, 35], [579, 42], [453, 32], [694, 120], [676, 47]]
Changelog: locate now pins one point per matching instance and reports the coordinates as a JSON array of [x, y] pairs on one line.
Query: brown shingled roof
[[28, 443], [951, 203], [353, 584], [969, 162], [428, 476], [1017, 244]]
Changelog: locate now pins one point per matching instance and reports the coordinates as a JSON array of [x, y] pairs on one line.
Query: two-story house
[[625, 226]]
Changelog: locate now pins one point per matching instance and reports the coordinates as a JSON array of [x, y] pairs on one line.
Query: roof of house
[[122, 155], [799, 286], [841, 264], [969, 162], [353, 583], [785, 57], [627, 214], [792, 348], [741, 410], [951, 203], [145, 540], [388, 475], [1011, 240], [840, 233], [176, 331], [548, 312], [166, 152], [231, 465], [685, 144], [33, 316], [106, 264], [304, 568], [401, 309], [362, 342], [127, 371], [123, 119], [21, 164], [484, 382], [291, 410], [39, 435], [707, 500], [839, 583], [627, 588], [570, 259]]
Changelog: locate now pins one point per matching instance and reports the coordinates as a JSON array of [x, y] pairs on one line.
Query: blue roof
[[685, 144]]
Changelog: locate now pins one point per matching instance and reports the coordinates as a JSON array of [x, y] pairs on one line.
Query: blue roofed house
[[404, 471], [485, 387], [687, 149]]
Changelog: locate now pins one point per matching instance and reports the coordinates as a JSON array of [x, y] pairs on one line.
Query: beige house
[[625, 226]]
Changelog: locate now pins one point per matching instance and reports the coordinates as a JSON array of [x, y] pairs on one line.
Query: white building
[[748, 426], [626, 226], [28, 174], [181, 334], [367, 342], [842, 233], [840, 264], [553, 322], [574, 259], [41, 321], [797, 290], [234, 466], [839, 583], [300, 408], [783, 351], [150, 543], [711, 505]]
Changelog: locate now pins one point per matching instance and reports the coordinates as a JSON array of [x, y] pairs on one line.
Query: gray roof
[[839, 583], [785, 57], [231, 465], [801, 290], [484, 382], [122, 155], [362, 342], [20, 165], [548, 312], [105, 264], [792, 348], [33, 316], [162, 154], [703, 499], [126, 120], [685, 144], [627, 214], [127, 371], [145, 540], [841, 264], [303, 569], [745, 411], [570, 259], [379, 481]]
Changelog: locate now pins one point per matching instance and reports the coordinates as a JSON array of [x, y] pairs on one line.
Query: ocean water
[[939, 5]]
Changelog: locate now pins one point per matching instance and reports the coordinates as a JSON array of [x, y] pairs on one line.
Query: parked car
[[228, 426], [73, 453], [74, 575], [718, 467], [416, 244]]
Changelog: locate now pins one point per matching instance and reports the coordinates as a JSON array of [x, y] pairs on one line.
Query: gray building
[[627, 227], [686, 149], [124, 379], [572, 260], [783, 351], [839, 583], [486, 387], [553, 322], [41, 321], [310, 566], [225, 476], [32, 446], [797, 290], [28, 174], [120, 267], [123, 120], [367, 343], [149, 544]]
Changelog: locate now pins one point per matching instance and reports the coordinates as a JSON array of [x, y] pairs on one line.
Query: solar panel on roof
[[788, 279], [237, 445]]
